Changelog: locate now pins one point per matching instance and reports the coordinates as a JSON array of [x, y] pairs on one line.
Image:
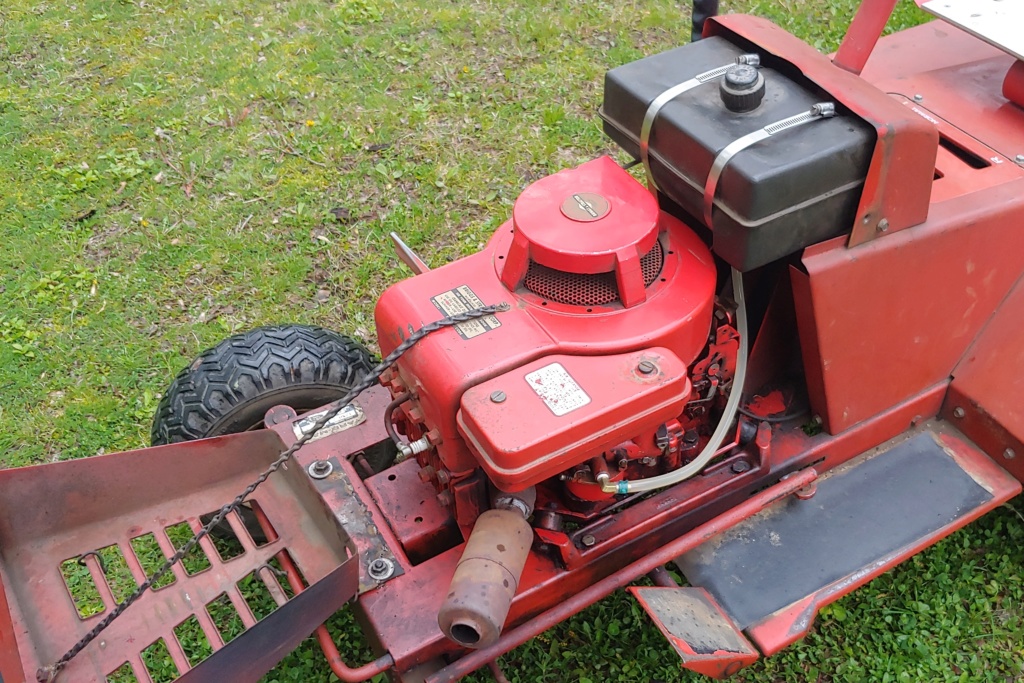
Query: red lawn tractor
[[788, 363]]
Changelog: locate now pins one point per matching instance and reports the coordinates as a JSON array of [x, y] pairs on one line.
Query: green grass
[[176, 170]]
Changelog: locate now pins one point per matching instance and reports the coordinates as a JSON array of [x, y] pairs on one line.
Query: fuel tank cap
[[742, 88]]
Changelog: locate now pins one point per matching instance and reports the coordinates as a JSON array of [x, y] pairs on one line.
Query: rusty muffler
[[487, 576]]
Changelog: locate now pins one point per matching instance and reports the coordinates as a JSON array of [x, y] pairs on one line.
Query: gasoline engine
[[618, 366]]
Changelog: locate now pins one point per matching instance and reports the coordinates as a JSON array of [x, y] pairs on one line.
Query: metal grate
[[575, 289]]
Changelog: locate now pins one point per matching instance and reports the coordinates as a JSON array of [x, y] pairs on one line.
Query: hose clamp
[[821, 110], [654, 108]]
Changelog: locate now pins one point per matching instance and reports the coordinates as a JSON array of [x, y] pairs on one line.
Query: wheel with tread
[[230, 387]]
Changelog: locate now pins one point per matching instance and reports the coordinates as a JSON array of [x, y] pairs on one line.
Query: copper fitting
[[486, 578]]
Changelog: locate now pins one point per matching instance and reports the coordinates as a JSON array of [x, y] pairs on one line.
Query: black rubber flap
[[857, 517]]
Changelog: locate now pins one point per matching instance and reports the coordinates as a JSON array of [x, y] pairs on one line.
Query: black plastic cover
[[794, 189]]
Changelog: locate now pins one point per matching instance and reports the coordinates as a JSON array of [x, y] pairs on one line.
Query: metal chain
[[49, 674]]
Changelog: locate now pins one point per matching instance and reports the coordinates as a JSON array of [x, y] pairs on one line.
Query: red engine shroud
[[589, 227]]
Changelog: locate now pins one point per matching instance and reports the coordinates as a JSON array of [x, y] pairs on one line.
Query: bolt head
[[380, 569], [646, 367], [498, 396], [1009, 454], [320, 469], [918, 97], [589, 540], [883, 225], [959, 413], [1020, 159], [740, 466]]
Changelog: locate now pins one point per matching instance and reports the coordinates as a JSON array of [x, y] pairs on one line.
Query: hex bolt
[[1020, 159], [320, 469], [740, 466], [959, 413], [1009, 454], [883, 225], [588, 540], [380, 569], [646, 367], [918, 97], [498, 396]]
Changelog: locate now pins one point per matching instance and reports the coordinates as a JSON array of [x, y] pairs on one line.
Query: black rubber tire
[[230, 387]]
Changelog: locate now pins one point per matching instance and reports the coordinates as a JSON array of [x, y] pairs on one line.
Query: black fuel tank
[[794, 189]]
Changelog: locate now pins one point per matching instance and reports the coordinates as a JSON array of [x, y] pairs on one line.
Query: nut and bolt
[[807, 492], [646, 367], [588, 540], [1009, 454], [380, 569], [918, 97], [883, 225], [498, 396], [320, 469], [959, 413], [740, 466]]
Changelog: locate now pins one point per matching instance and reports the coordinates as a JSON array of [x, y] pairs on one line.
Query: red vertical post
[[865, 30]]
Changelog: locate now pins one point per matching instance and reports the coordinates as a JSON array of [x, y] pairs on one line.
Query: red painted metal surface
[[622, 577], [986, 399], [957, 77], [1013, 84], [590, 219], [422, 526], [863, 34], [676, 315], [401, 614], [793, 622], [865, 309], [899, 179], [52, 513], [962, 266], [578, 407], [884, 317]]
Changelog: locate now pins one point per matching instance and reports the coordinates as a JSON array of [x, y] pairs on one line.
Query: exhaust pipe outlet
[[487, 576]]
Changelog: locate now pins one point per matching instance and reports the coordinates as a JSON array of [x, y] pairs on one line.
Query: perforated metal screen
[[600, 289]]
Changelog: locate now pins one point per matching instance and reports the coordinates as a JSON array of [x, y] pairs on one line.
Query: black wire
[[389, 424]]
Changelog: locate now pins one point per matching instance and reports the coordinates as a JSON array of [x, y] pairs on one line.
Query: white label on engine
[[349, 417], [460, 300], [557, 389]]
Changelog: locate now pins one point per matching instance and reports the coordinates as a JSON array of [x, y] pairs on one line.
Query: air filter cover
[[593, 221]]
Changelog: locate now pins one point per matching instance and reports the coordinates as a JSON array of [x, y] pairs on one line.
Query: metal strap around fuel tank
[[675, 91], [822, 110]]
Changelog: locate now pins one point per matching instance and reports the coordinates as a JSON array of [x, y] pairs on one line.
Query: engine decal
[[557, 389], [460, 300], [350, 416]]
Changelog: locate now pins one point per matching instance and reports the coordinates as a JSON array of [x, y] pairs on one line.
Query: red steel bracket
[[897, 189]]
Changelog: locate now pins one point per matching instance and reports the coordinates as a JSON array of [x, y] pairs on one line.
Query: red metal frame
[[885, 318], [899, 179], [595, 591]]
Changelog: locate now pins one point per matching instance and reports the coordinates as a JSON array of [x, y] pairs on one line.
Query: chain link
[[49, 674]]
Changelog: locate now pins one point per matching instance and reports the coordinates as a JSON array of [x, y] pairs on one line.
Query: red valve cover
[[594, 269]]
